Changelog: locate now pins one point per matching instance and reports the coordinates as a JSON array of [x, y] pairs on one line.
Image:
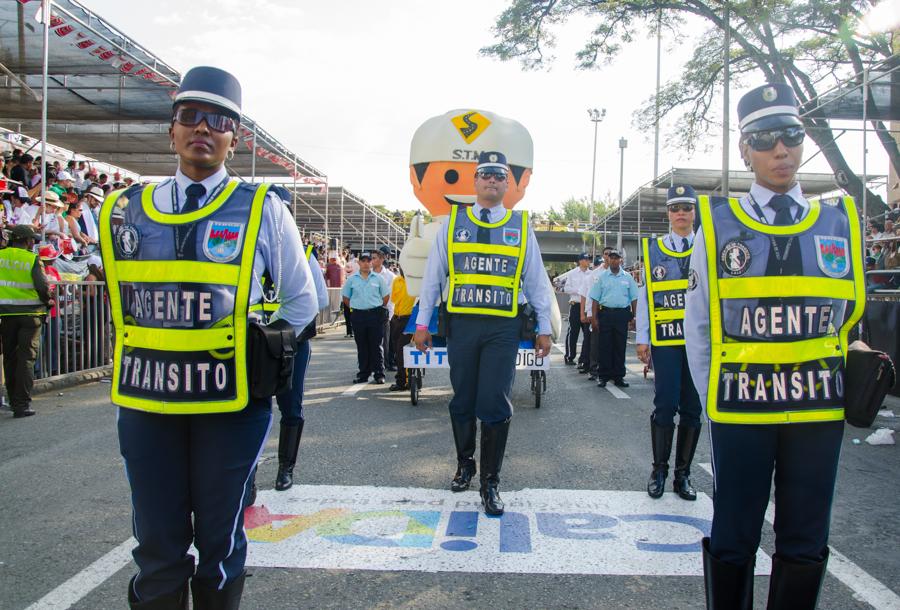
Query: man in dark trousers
[[775, 286], [614, 296], [575, 284], [24, 301], [492, 260], [366, 294]]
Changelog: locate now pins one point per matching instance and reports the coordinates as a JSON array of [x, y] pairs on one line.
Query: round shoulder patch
[[735, 258], [659, 273], [128, 240], [692, 279]]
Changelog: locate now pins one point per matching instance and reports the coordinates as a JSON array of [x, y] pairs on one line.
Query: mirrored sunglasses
[[494, 175], [190, 117], [762, 141], [681, 207]]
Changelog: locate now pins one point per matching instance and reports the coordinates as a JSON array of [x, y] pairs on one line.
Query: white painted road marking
[[356, 387], [74, 589], [543, 531], [865, 587], [616, 391]]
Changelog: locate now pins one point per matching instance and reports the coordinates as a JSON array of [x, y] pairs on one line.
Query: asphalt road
[[64, 500]]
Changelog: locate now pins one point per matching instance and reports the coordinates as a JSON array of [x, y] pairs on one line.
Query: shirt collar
[[210, 183], [675, 239], [763, 196], [495, 213]]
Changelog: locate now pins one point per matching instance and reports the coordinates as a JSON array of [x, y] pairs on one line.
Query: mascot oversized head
[[444, 153]]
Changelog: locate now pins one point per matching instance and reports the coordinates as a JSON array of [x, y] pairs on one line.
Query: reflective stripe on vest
[[485, 278], [181, 325], [778, 343], [663, 277], [17, 293]]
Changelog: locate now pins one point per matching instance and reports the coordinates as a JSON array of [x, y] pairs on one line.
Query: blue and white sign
[[543, 531], [436, 358]]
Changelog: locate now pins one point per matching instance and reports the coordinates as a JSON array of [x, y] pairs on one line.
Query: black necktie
[[785, 257], [484, 234], [685, 246], [185, 235]]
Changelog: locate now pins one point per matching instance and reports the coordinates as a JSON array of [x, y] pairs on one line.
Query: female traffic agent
[[180, 259]]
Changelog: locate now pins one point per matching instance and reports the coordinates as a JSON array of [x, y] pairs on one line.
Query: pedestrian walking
[[24, 302], [776, 285], [660, 334], [575, 284], [403, 305], [493, 263], [378, 267], [613, 299], [180, 260], [367, 294], [601, 265]]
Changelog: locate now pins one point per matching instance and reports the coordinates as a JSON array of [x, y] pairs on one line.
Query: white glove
[[414, 253]]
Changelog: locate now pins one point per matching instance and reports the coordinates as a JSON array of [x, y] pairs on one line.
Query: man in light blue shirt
[[366, 294], [615, 293]]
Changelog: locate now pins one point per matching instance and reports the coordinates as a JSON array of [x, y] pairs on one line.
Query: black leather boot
[[795, 586], [211, 598], [661, 441], [493, 445], [464, 438], [728, 586], [176, 600], [685, 444], [288, 445]]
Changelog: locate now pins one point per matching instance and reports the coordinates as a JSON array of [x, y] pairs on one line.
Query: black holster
[[528, 318], [270, 358]]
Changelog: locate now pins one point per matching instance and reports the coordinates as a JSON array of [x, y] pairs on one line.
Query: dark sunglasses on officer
[[681, 207], [190, 117], [761, 141], [487, 175]]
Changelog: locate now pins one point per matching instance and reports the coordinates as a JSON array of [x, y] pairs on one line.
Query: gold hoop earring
[[229, 155]]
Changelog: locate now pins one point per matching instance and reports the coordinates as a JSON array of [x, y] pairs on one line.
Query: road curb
[[72, 379]]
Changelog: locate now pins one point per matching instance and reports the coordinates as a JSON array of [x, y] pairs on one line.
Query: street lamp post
[[596, 117], [623, 144]]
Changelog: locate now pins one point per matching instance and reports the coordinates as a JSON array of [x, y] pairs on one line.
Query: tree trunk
[[822, 135]]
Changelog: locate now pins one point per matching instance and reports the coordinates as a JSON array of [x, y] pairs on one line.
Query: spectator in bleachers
[[21, 172], [78, 229], [90, 207], [334, 274], [8, 163], [50, 223]]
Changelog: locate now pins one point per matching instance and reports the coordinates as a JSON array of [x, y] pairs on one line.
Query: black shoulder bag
[[868, 377], [270, 358]]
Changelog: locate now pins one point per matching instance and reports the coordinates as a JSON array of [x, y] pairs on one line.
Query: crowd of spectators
[[883, 251]]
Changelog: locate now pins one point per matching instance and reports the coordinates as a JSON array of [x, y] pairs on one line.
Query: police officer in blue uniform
[[775, 285], [480, 250], [367, 294], [666, 266], [613, 296], [180, 258]]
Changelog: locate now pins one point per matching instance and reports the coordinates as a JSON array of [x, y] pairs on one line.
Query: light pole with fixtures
[[596, 117], [623, 144]]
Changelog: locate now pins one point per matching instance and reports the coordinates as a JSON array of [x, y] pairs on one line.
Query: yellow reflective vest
[[270, 307], [665, 279], [778, 343], [18, 296], [485, 278], [179, 305]]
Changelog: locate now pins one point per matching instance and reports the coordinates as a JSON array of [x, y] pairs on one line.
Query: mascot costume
[[442, 160]]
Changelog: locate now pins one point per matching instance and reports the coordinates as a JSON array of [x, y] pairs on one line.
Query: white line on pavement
[[617, 392], [74, 589], [864, 586], [356, 387]]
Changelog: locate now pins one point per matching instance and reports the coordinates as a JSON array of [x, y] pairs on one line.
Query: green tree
[[812, 45], [578, 210]]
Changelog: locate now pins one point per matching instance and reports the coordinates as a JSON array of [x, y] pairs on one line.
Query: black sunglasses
[[762, 141], [681, 207], [494, 175], [189, 117]]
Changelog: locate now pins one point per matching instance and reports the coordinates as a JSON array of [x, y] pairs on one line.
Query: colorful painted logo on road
[[542, 531]]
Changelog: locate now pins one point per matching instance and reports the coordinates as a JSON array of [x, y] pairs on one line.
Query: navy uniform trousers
[[188, 477], [482, 352], [611, 338], [675, 392], [576, 326], [368, 330], [291, 403], [804, 458]]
